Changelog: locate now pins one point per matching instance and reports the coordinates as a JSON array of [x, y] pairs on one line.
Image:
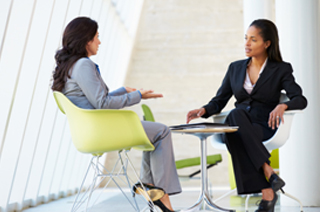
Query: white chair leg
[[224, 195], [246, 207], [210, 190], [294, 198]]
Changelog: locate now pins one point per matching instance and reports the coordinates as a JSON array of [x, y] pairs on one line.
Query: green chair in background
[[274, 163], [212, 160], [100, 131]]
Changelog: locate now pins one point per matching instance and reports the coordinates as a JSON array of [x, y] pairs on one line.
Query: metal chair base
[[100, 174], [282, 192], [248, 197]]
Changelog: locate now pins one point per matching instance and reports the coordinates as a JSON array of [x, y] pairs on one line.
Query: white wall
[[37, 159], [183, 50]]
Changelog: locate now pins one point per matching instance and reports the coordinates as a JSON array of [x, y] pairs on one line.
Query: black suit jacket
[[265, 95]]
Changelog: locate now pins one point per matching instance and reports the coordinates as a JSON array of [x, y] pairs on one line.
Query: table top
[[210, 130]]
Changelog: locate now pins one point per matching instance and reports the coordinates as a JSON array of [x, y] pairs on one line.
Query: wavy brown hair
[[268, 31], [75, 38]]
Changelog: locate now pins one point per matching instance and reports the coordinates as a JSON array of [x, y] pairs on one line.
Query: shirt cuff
[[140, 93]]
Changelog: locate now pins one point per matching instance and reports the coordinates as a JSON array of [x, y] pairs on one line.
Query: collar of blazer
[[269, 70]]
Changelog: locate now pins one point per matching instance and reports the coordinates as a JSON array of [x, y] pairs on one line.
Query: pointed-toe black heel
[[155, 193], [267, 206], [276, 182], [161, 206]]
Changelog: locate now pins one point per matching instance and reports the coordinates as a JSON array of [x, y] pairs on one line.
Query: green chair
[[100, 131], [274, 163], [212, 160]]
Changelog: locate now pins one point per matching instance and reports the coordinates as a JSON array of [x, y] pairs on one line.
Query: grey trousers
[[158, 166]]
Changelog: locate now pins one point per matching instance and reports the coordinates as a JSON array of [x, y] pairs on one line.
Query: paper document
[[202, 125]]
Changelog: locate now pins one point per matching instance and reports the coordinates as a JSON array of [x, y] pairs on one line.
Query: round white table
[[203, 134]]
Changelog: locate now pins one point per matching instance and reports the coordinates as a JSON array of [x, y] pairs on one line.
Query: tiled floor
[[112, 200]]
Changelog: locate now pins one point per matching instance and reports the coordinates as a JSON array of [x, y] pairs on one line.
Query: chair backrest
[[103, 130], [147, 114], [276, 141]]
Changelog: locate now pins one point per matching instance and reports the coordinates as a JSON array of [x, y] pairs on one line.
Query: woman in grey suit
[[79, 79], [256, 83]]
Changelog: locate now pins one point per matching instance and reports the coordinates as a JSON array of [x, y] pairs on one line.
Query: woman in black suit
[[256, 83]]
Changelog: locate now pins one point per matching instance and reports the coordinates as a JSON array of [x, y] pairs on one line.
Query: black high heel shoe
[[153, 192], [276, 182], [161, 206], [267, 206]]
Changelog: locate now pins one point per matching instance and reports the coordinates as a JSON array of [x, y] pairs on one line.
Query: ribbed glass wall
[[38, 162]]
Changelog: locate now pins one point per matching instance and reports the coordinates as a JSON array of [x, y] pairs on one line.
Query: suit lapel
[[242, 76], [266, 74]]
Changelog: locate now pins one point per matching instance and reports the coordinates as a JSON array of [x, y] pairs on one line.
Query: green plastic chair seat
[[99, 131]]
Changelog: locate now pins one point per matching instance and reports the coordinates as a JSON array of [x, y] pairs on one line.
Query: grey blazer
[[86, 89]]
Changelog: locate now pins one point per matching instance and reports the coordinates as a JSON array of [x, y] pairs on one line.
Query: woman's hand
[[276, 115], [148, 94], [129, 90], [193, 114]]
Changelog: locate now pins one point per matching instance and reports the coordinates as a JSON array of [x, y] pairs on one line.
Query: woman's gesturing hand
[[276, 115], [148, 94], [193, 114]]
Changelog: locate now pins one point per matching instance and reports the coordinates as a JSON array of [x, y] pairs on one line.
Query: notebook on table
[[202, 125]]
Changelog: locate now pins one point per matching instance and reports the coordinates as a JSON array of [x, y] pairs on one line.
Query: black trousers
[[248, 152]]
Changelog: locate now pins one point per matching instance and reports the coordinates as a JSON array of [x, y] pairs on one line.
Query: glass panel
[[37, 158]]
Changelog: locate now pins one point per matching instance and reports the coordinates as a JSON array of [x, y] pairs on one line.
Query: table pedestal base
[[204, 198]]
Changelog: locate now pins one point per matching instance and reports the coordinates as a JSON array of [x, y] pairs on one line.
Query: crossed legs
[[249, 156]]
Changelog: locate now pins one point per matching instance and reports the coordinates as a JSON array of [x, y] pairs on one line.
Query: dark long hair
[[269, 32], [77, 34]]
